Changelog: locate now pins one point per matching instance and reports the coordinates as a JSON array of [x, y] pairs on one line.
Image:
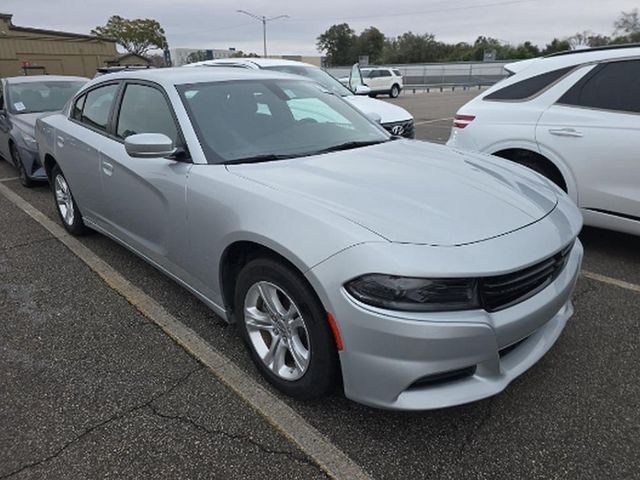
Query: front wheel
[[66, 205], [286, 329], [394, 92], [24, 177]]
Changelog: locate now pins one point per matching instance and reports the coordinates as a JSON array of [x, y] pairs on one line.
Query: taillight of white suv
[[461, 121]]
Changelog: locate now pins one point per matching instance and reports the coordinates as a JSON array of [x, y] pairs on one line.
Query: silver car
[[421, 276]]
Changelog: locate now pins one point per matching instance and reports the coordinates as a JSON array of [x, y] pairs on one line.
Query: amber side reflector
[[336, 332]]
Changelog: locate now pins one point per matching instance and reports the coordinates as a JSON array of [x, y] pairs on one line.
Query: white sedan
[[573, 117]]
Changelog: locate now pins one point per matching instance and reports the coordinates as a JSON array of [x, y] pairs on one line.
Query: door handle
[[565, 132], [107, 168], [60, 141]]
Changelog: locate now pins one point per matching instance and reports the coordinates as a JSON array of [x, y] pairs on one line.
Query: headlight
[[29, 141], [415, 294]]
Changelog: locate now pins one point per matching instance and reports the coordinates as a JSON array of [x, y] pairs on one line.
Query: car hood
[[389, 113], [27, 121], [414, 192]]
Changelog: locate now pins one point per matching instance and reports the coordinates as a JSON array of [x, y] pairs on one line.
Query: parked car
[[381, 80], [393, 118], [22, 101], [424, 277], [573, 117], [120, 68]]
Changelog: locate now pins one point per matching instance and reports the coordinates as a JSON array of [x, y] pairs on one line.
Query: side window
[[529, 87], [97, 106], [609, 86], [385, 73], [1, 97], [144, 109], [397, 73], [76, 112]]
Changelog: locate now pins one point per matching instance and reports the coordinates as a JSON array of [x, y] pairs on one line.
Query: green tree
[[338, 43], [241, 54], [197, 56], [556, 46], [628, 23], [136, 36], [370, 42]]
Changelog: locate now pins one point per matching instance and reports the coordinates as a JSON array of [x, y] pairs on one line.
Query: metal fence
[[438, 75]]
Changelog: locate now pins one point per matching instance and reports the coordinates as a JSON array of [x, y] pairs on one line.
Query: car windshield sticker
[[19, 106]]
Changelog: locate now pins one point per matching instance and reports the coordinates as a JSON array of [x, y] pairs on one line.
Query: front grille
[[404, 129], [503, 291]]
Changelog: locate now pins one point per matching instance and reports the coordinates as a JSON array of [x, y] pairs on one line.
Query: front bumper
[[386, 353]]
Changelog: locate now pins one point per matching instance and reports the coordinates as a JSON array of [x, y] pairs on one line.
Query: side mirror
[[374, 117], [149, 145], [362, 90]]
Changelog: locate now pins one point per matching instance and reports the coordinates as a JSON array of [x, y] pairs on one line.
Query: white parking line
[[611, 281], [335, 463], [435, 120], [9, 179]]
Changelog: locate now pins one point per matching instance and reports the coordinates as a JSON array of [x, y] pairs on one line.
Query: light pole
[[264, 20]]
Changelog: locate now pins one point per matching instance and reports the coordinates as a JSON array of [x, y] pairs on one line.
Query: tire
[[538, 165], [307, 330], [395, 91], [24, 178], [66, 205]]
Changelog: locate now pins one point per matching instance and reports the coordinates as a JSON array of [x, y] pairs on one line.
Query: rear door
[[146, 196], [77, 147], [595, 128]]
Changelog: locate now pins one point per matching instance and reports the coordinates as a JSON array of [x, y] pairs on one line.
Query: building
[[52, 52], [179, 56]]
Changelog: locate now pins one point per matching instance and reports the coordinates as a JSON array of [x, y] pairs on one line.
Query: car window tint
[[529, 87], [97, 106], [1, 97], [144, 109], [385, 73], [610, 86], [76, 113], [397, 73]]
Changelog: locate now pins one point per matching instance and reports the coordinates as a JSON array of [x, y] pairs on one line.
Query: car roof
[[253, 61], [535, 66], [42, 78], [182, 76]]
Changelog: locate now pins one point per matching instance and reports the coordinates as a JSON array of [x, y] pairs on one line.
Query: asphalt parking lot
[[91, 388]]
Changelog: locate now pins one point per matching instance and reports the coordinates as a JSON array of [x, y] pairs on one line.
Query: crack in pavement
[[28, 244], [234, 436], [113, 418]]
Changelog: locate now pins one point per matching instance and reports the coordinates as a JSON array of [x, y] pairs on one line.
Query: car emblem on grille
[[397, 129]]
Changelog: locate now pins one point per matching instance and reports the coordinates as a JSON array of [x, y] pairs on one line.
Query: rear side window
[[144, 109], [97, 106], [397, 73], [609, 86], [529, 87]]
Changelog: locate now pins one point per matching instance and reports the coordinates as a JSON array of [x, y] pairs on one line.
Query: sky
[[216, 23]]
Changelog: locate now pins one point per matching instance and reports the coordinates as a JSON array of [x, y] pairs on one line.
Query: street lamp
[[264, 20]]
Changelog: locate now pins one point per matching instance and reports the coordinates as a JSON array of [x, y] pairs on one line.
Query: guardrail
[[433, 76]]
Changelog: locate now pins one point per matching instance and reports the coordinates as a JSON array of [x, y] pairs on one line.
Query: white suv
[[383, 80], [393, 118], [574, 117]]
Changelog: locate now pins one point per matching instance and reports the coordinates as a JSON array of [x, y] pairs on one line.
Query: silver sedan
[[421, 276]]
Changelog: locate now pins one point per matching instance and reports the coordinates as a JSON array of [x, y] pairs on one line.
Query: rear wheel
[[65, 204], [286, 329], [395, 91], [24, 177]]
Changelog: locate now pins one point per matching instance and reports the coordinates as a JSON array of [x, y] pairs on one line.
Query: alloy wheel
[[64, 200], [277, 331]]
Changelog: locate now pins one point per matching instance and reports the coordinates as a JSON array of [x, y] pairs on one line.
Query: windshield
[[314, 73], [271, 119], [45, 96]]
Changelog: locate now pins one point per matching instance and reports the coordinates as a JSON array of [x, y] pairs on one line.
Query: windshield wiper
[[267, 157], [348, 146]]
